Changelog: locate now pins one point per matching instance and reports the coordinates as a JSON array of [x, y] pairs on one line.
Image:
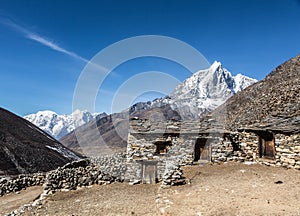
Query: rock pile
[[173, 175], [20, 183]]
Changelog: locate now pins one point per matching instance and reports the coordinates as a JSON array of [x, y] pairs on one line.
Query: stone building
[[154, 148]]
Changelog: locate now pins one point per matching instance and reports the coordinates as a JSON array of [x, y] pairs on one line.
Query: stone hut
[[155, 147]]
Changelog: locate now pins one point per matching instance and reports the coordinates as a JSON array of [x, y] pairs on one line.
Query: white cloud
[[40, 39], [49, 43], [54, 46]]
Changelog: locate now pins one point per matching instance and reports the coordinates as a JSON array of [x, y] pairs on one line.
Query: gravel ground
[[226, 189]]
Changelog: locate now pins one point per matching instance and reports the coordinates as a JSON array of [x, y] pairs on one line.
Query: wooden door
[[267, 146]]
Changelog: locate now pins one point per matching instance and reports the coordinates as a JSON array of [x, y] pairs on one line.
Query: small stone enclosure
[[155, 147]]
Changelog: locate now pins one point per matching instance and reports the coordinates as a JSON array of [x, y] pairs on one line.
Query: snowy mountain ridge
[[204, 91], [59, 125], [201, 93]]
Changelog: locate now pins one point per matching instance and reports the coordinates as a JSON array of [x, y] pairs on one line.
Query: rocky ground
[[226, 189]]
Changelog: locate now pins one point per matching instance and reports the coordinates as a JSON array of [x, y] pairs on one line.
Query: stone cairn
[[173, 175]]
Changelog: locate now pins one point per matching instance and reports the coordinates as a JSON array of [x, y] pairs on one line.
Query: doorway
[[149, 172], [266, 145], [202, 150]]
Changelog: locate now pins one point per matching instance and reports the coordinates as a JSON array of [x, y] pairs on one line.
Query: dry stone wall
[[76, 174], [180, 140], [20, 182], [69, 177], [287, 150], [114, 164]]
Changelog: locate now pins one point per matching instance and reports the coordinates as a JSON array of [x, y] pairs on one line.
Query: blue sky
[[45, 45]]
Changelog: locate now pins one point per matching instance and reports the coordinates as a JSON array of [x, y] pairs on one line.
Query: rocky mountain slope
[[24, 148], [272, 103], [59, 125]]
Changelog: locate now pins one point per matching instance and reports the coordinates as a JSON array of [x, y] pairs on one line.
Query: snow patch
[[63, 151]]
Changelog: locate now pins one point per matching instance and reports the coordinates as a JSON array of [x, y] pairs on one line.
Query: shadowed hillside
[[24, 148]]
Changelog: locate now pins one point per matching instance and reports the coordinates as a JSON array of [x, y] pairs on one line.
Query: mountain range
[[201, 93], [59, 125]]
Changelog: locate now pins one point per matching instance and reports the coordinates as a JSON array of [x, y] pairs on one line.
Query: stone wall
[[20, 182], [76, 174], [287, 150], [228, 148], [69, 177], [113, 164], [181, 138], [244, 146]]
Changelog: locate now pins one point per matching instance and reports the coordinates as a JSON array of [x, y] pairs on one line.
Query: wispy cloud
[[40, 39], [54, 46]]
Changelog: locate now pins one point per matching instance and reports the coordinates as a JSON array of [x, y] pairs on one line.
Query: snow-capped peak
[[215, 65], [204, 91], [59, 125]]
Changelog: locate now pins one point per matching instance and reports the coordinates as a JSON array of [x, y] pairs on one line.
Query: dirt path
[[13, 201], [227, 189]]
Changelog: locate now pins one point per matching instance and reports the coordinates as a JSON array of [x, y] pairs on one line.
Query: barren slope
[[24, 148], [272, 103]]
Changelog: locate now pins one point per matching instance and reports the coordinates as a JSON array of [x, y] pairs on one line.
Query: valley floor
[[226, 189]]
